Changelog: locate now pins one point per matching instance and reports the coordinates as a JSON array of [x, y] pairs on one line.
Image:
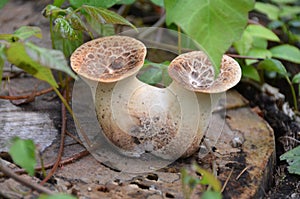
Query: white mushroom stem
[[142, 118]]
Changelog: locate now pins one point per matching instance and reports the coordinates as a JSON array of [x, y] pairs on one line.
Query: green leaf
[[262, 32], [293, 159], [296, 79], [23, 154], [2, 61], [270, 10], [158, 2], [250, 72], [56, 196], [284, 1], [67, 46], [58, 3], [286, 52], [259, 43], [17, 55], [102, 3], [2, 3], [101, 15], [25, 32], [8, 37], [289, 11], [273, 65], [211, 195], [259, 53], [243, 45], [75, 20], [54, 11], [49, 58], [151, 76], [208, 178], [126, 2], [65, 29], [215, 25]]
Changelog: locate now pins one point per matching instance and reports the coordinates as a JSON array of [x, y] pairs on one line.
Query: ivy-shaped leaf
[[286, 52], [24, 62], [215, 25], [49, 58], [101, 15], [25, 32], [293, 159], [273, 65], [23, 154]]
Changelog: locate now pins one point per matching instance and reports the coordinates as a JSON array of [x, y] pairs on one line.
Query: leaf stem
[[293, 92]]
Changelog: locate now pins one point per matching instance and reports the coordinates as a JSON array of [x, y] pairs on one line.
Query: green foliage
[[293, 159], [67, 33], [2, 60], [155, 73], [32, 59], [190, 182], [215, 25], [286, 52], [23, 154], [2, 3], [56, 196], [25, 62]]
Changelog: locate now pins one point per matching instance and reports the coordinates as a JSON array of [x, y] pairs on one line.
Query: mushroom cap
[[109, 59], [195, 72]]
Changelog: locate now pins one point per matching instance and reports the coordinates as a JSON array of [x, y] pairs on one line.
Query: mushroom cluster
[[139, 118]]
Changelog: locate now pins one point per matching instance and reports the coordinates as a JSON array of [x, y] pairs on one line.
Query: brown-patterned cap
[[195, 72], [109, 59]]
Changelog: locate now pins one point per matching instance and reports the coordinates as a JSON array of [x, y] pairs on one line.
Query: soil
[[284, 185]]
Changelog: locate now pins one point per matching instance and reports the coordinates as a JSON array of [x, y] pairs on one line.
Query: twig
[[63, 162], [290, 138], [243, 171], [35, 94], [74, 138], [62, 138], [8, 172], [226, 182], [243, 57]]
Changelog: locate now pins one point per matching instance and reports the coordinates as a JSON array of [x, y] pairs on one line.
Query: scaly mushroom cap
[[195, 72], [109, 59]]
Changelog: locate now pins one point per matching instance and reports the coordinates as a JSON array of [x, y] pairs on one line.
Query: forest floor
[[267, 104]]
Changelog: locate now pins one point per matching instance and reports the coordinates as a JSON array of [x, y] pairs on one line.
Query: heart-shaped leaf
[[215, 25]]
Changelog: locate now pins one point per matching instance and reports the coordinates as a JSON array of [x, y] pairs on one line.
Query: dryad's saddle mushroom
[[139, 118]]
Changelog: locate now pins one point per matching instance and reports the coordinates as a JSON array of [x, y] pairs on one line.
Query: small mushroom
[[139, 118], [194, 71]]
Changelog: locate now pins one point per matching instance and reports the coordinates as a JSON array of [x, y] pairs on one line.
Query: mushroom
[[194, 71], [139, 118]]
